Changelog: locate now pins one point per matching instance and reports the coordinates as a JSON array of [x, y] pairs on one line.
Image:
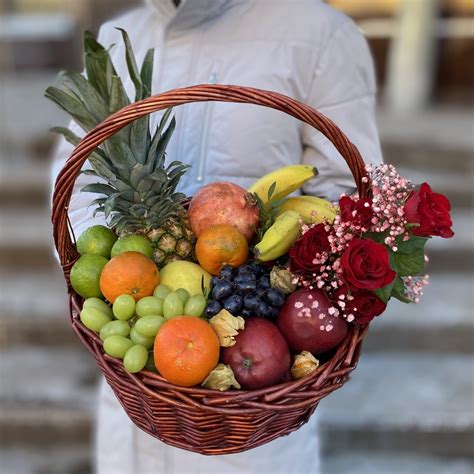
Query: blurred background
[[409, 407]]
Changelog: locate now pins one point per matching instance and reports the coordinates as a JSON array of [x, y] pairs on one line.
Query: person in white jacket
[[301, 48]]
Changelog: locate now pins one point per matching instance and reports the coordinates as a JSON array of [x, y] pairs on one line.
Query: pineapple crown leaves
[[90, 100], [140, 192]]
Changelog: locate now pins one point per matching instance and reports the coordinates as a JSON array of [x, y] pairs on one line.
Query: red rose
[[366, 266], [304, 250], [365, 306], [359, 212], [431, 211]]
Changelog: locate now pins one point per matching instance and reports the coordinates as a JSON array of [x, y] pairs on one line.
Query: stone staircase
[[409, 406]]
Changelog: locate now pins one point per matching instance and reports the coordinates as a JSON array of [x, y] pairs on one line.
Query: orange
[[221, 245], [186, 350], [131, 273]]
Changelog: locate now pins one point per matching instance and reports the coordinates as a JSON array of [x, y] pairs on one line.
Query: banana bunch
[[312, 209], [285, 181], [278, 239]]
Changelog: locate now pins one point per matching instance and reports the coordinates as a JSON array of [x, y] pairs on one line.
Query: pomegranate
[[224, 203]]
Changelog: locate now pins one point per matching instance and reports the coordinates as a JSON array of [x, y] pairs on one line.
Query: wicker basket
[[196, 419]]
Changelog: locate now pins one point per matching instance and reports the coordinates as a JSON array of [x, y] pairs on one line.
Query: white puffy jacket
[[301, 48]]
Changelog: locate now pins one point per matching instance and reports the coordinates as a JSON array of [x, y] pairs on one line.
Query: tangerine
[[221, 245], [129, 273], [186, 349]]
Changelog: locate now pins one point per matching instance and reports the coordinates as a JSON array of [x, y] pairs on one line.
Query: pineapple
[[139, 193]]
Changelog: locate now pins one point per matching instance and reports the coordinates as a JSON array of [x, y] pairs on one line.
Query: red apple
[[260, 356], [309, 322]]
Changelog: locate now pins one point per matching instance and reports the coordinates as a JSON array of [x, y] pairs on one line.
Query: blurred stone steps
[[23, 182], [427, 157], [35, 309], [457, 187], [403, 402], [368, 462], [50, 373], [432, 141], [74, 459], [442, 321], [38, 426], [26, 114], [50, 396], [26, 238], [37, 40]]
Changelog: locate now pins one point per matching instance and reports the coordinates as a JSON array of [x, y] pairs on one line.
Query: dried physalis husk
[[282, 279], [304, 364], [221, 378], [226, 327]]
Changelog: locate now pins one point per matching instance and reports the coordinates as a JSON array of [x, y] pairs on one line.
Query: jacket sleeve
[[343, 89]]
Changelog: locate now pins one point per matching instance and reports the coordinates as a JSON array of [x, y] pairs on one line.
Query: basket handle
[[201, 93]]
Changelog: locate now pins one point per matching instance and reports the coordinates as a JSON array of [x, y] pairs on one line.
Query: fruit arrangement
[[231, 288]]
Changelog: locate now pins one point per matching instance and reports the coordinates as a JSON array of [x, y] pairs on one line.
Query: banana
[[312, 209], [287, 179], [278, 239]]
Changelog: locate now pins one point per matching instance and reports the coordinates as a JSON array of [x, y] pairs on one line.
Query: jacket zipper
[[205, 134]]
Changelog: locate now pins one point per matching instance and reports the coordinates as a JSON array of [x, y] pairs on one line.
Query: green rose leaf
[[386, 292], [414, 244], [409, 259], [399, 291]]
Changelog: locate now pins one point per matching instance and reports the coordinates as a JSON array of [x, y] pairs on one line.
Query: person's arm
[[344, 90]]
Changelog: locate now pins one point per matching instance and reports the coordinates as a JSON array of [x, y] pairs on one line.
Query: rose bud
[[431, 211]]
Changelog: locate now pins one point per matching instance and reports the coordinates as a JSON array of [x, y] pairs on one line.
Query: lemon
[[85, 275], [133, 243], [96, 240], [187, 275]]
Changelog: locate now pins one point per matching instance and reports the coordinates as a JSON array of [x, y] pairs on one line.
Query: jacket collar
[[190, 12]]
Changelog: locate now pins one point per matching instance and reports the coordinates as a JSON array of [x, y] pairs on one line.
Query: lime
[[133, 243], [96, 240], [85, 275]]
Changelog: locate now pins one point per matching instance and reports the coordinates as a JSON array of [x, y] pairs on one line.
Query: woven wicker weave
[[196, 419]]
